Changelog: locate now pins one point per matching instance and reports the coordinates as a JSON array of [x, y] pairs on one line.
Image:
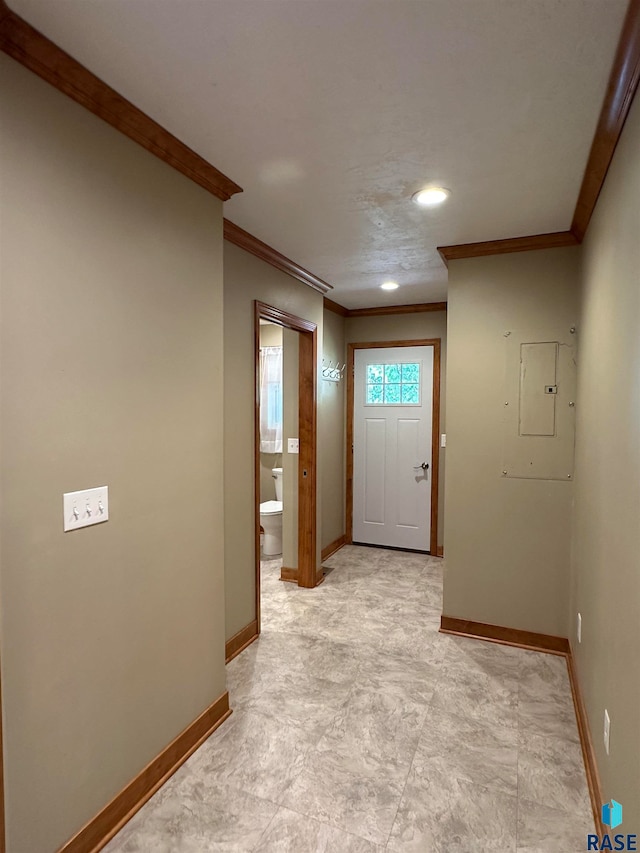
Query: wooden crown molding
[[555, 240], [621, 88], [39, 54], [241, 238], [384, 310], [330, 305]]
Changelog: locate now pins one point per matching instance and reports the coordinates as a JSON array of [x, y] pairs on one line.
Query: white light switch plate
[[90, 506], [443, 440], [293, 445]]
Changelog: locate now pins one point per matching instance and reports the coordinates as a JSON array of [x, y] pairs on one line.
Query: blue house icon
[[612, 814]]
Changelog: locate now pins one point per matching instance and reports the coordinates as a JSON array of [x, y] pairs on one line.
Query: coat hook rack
[[332, 372]]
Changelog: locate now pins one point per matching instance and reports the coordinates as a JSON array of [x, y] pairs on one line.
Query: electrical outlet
[[579, 628], [607, 730]]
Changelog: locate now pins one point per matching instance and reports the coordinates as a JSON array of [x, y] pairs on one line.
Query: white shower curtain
[[271, 400]]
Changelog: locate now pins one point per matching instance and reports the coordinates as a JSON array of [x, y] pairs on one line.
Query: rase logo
[[612, 817]]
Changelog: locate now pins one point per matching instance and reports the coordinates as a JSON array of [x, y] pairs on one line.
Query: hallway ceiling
[[331, 113]]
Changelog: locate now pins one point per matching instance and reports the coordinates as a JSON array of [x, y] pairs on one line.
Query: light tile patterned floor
[[357, 727]]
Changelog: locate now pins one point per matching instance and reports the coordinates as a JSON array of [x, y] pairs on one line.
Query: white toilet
[[271, 520]]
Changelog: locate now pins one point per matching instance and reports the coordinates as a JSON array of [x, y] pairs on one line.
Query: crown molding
[[330, 305], [39, 54], [555, 240], [384, 310], [241, 238], [621, 89]]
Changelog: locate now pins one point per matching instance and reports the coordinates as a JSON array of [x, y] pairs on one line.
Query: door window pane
[[392, 393], [374, 395], [410, 394], [375, 373], [393, 384]]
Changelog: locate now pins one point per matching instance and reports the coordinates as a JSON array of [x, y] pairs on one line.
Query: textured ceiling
[[330, 113]]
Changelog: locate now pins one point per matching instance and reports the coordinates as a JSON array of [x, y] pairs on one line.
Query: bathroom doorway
[[285, 408]]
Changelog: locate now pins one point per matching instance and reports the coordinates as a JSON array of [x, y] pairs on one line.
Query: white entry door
[[392, 464]]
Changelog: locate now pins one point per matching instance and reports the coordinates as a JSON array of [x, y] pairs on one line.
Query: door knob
[[424, 466]]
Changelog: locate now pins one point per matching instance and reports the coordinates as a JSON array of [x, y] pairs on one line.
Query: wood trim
[[435, 429], [586, 742], [257, 308], [348, 522], [330, 305], [283, 318], [621, 88], [387, 310], [37, 53], [100, 829], [241, 238], [332, 547], [440, 551], [319, 576], [307, 469], [384, 310], [435, 449], [507, 636], [239, 642], [289, 575], [556, 240]]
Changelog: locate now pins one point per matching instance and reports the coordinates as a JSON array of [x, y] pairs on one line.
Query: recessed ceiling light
[[389, 285], [430, 196]]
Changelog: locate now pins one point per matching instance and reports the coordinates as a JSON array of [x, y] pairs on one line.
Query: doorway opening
[[285, 408], [393, 426]]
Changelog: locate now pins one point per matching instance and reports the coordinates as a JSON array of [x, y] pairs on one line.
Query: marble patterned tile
[[196, 818], [296, 699], [441, 814], [282, 652], [546, 830], [473, 750], [256, 754], [549, 718], [354, 709], [488, 692], [363, 804], [375, 730], [290, 832], [551, 773], [408, 678]]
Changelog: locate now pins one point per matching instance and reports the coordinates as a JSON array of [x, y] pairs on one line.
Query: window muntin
[[393, 384]]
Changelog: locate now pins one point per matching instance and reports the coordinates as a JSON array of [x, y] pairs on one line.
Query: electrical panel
[[539, 406]]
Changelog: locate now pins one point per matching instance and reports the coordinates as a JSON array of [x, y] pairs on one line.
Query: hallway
[[357, 727]]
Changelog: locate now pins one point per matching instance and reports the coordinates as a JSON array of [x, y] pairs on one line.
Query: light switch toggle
[[81, 509]]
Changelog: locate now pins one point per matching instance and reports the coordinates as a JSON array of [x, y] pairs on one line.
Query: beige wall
[[606, 552], [111, 369], [331, 427], [246, 278], [507, 540], [407, 327], [270, 336]]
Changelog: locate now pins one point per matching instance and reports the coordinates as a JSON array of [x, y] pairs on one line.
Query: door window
[[393, 384]]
